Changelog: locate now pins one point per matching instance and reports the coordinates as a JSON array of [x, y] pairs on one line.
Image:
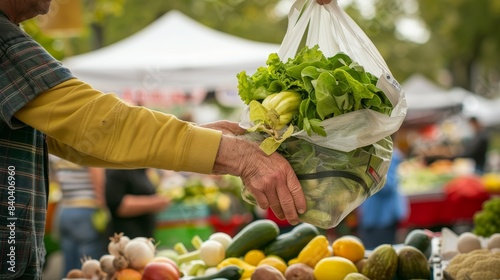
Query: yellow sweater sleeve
[[93, 128]]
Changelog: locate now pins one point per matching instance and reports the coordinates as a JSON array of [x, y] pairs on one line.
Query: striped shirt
[[26, 70], [75, 182]]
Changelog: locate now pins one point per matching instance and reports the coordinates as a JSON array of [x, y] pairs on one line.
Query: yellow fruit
[[293, 261], [253, 257], [349, 247], [275, 262], [333, 268]]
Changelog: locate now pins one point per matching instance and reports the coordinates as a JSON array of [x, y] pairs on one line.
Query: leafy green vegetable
[[329, 86]]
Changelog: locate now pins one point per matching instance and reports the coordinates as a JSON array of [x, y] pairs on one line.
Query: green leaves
[[271, 144], [329, 87]]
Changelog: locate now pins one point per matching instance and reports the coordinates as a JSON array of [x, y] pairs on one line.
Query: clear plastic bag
[[339, 171], [334, 182]]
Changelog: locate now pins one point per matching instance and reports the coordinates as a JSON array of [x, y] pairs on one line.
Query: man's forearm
[[136, 205]]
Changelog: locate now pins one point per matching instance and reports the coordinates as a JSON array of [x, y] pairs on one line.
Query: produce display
[[191, 189], [418, 178], [257, 252], [469, 256], [301, 95]]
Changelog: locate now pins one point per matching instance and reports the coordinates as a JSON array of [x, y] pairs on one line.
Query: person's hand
[[227, 127], [270, 179], [322, 2], [273, 183]]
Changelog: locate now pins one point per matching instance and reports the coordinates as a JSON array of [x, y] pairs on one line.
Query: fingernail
[[302, 211]]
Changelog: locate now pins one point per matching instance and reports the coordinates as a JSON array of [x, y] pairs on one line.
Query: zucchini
[[288, 245], [230, 272], [255, 235]]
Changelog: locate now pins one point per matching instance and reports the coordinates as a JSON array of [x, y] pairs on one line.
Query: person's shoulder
[[10, 31]]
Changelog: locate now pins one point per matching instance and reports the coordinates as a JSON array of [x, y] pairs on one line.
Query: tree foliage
[[466, 32], [252, 19]]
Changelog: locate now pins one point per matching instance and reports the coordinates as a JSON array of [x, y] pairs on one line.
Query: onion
[[117, 244], [224, 238], [106, 262], [212, 252], [139, 253], [91, 268], [120, 262], [148, 241]]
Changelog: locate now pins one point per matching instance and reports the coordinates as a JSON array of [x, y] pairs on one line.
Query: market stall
[[445, 199]]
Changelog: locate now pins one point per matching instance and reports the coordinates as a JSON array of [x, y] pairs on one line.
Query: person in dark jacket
[[132, 202]]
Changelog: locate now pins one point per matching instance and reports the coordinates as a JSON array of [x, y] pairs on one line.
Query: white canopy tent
[[487, 111], [422, 94], [171, 56], [427, 103]]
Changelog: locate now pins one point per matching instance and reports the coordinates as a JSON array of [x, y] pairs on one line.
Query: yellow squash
[[317, 249], [248, 269]]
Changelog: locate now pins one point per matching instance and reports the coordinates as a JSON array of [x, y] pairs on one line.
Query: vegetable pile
[[128, 259], [476, 264], [260, 252], [298, 95]]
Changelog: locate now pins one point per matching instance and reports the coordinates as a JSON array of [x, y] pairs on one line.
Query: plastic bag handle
[[298, 19], [355, 31], [323, 31]]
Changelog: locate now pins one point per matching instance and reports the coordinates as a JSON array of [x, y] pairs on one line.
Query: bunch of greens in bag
[[286, 97]]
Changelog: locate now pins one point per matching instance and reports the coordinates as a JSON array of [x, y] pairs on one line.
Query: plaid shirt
[[26, 70]]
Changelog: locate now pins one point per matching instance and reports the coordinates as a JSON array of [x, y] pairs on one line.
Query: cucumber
[[288, 245], [230, 272], [255, 235]]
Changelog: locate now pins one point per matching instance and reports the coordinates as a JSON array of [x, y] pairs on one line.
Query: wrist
[[229, 156]]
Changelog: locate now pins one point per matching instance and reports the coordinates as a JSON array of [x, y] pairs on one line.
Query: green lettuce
[[330, 86]]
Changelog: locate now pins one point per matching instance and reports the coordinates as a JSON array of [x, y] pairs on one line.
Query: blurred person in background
[[82, 191], [476, 147], [380, 215], [133, 202], [45, 108]]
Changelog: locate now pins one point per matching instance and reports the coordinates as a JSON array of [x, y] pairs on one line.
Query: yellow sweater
[[91, 128]]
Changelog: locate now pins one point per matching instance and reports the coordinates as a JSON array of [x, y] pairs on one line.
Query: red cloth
[[465, 187], [271, 216], [462, 197]]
